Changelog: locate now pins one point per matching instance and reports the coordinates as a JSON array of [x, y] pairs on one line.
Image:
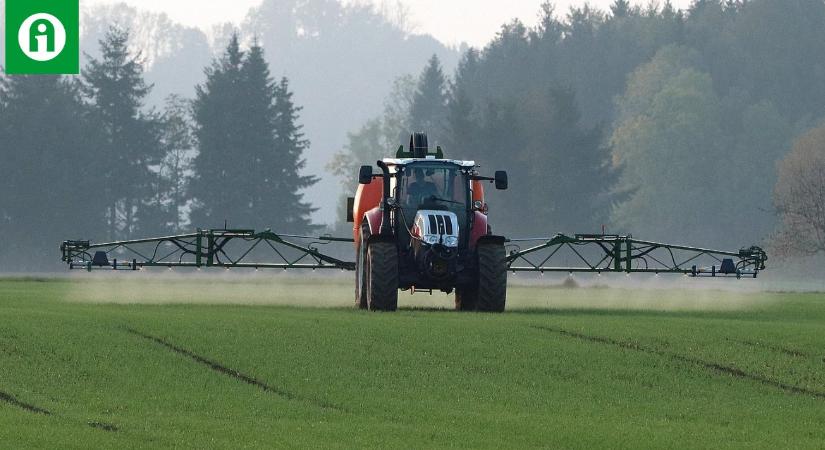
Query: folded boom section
[[207, 248], [606, 253]]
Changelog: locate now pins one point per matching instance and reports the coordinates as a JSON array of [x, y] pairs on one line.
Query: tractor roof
[[422, 153], [405, 161]]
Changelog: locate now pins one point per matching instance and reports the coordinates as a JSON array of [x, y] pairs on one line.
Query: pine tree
[[250, 147], [219, 115], [569, 160], [620, 8], [461, 130], [50, 186], [114, 84], [290, 145], [429, 108]]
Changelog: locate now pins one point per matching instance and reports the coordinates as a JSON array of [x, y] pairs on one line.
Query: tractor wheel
[[492, 278], [361, 272], [361, 277], [382, 276], [466, 298]]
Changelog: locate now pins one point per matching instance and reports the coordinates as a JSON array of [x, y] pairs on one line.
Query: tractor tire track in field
[[716, 367], [10, 399], [776, 348], [230, 372], [104, 426]]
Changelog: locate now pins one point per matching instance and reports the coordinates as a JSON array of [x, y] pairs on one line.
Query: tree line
[[671, 125], [667, 124], [83, 157]]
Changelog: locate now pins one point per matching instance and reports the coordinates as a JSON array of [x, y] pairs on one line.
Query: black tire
[[466, 298], [492, 278], [361, 277], [361, 272], [382, 276]]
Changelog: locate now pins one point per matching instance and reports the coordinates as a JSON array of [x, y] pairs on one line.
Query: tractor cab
[[433, 198], [426, 196]]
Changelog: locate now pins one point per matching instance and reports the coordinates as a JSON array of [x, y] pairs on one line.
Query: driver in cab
[[421, 189]]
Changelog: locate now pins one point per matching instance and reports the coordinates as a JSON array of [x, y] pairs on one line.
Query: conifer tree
[[429, 107], [460, 124], [290, 144], [250, 147], [115, 86], [620, 8], [219, 126], [49, 188]]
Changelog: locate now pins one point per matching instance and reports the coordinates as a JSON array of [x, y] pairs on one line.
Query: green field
[[220, 363]]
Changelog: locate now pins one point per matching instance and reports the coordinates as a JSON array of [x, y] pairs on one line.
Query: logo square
[[42, 37]]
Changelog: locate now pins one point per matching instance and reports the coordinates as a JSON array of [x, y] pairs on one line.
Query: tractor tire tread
[[492, 278], [382, 279], [361, 271]]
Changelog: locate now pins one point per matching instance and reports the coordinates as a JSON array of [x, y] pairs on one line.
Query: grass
[[146, 365]]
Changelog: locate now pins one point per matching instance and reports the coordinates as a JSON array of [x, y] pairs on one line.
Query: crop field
[[246, 363]]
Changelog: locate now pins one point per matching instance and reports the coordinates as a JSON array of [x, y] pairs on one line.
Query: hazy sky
[[451, 21]]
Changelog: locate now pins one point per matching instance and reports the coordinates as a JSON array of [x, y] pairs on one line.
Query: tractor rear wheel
[[466, 298], [382, 276], [492, 278]]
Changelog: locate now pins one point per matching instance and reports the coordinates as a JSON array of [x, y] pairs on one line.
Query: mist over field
[[698, 126], [161, 287]]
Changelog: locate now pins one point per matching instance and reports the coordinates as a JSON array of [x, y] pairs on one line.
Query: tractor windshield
[[434, 187]]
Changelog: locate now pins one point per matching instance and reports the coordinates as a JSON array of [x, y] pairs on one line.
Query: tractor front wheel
[[492, 278], [361, 272], [382, 276]]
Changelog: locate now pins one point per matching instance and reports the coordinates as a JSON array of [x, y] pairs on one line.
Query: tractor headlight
[[451, 241], [431, 239]]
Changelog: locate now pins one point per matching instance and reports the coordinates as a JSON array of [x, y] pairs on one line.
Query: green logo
[[42, 37]]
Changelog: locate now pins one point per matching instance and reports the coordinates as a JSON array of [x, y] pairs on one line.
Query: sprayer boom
[[268, 250], [606, 253]]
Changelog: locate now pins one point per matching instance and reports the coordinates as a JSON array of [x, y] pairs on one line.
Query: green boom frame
[[606, 253], [269, 250], [207, 248]]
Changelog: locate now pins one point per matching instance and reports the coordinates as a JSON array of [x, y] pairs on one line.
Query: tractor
[[421, 225]]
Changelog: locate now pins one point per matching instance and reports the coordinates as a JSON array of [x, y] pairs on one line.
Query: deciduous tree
[[800, 197]]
